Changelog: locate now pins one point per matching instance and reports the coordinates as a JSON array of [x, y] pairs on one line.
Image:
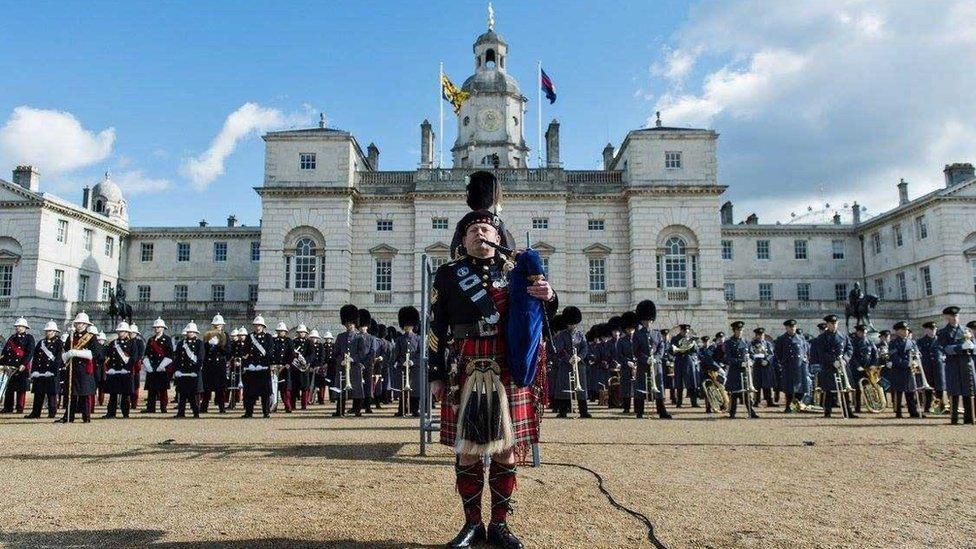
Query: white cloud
[[136, 182], [53, 141], [247, 120], [845, 95]]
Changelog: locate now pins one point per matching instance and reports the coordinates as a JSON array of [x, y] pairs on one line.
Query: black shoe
[[32, 416], [561, 415], [665, 415], [853, 416], [147, 411], [360, 414], [468, 536], [108, 416], [265, 416], [336, 414], [585, 416], [245, 416], [500, 536], [753, 415], [398, 414]]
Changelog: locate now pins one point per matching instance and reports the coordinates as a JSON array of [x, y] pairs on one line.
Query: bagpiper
[[190, 356], [214, 365], [790, 351], [832, 351], [350, 354], [79, 355], [956, 345], [406, 378], [16, 358], [256, 376], [735, 354], [45, 371], [649, 352], [118, 372], [902, 378], [282, 353], [156, 364]]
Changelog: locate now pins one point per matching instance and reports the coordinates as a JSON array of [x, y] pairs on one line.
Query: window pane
[[6, 280], [729, 291], [180, 292], [384, 224], [384, 275], [595, 224], [183, 251], [540, 223], [598, 281], [803, 291], [306, 264], [83, 287], [762, 249], [727, 249], [255, 251], [879, 290], [144, 293], [837, 249], [147, 251], [306, 161], [62, 230], [217, 292], [88, 237], [800, 249], [672, 159], [765, 291], [840, 292], [58, 289], [438, 223]]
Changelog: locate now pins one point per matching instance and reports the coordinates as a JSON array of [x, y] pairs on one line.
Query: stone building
[[336, 229]]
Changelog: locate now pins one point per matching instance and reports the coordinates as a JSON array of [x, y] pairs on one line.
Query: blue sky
[[139, 88]]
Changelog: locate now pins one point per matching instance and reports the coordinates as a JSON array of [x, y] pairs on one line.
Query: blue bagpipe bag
[[526, 315]]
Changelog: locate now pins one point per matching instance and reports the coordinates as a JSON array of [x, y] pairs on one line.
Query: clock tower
[[491, 120]]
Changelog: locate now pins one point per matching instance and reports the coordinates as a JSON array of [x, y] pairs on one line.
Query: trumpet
[[346, 365], [575, 387]]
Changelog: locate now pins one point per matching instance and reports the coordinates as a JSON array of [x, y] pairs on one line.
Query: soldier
[[832, 351], [570, 346], [101, 348], [214, 365], [158, 357], [956, 346], [902, 378], [118, 372], [256, 375], [79, 354], [763, 367], [191, 354], [365, 320], [864, 354], [711, 361], [390, 362], [380, 349], [16, 356], [301, 380], [282, 354], [649, 351], [407, 356], [932, 365], [735, 353], [238, 358], [686, 368], [138, 351], [325, 370], [624, 357], [45, 371], [351, 353], [790, 351]]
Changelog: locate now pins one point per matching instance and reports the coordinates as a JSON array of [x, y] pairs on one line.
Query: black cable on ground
[[637, 515]]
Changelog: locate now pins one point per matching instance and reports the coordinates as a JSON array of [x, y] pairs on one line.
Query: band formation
[[498, 353]]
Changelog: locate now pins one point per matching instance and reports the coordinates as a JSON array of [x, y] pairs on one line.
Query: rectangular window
[[109, 246], [921, 227], [840, 292], [436, 262], [765, 291], [58, 290], [899, 240], [659, 270], [180, 292], [837, 249], [220, 251], [287, 272], [438, 223], [384, 275], [762, 249], [672, 160], [727, 250], [972, 265], [83, 287], [876, 243], [799, 249], [255, 251], [598, 275], [6, 280], [926, 273], [106, 290], [62, 230], [694, 270], [729, 291], [545, 266], [539, 223], [803, 291], [879, 289], [902, 286], [147, 251], [88, 236], [305, 270], [217, 292], [595, 224], [384, 224], [144, 293], [675, 271], [306, 161], [252, 292], [182, 251]]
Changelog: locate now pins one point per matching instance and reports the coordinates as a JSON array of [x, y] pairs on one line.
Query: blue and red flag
[[547, 86]]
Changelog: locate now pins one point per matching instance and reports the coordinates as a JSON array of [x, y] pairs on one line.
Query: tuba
[[718, 398], [874, 396], [687, 344]]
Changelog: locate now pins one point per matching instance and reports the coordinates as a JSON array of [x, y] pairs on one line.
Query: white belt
[[255, 368], [42, 374], [183, 374], [112, 371]]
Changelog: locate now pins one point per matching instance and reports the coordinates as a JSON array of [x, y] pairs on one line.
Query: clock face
[[490, 119]]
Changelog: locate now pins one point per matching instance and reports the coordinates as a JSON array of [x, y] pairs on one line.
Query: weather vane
[[491, 17]]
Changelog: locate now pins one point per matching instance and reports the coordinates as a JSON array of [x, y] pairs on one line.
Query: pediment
[[543, 247], [383, 249], [437, 248], [597, 249], [15, 193]]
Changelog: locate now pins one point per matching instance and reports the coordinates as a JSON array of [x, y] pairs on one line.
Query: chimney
[[426, 145], [726, 212], [955, 173], [86, 197], [855, 214], [836, 218], [552, 144], [607, 156], [373, 156], [27, 177], [902, 192], [203, 222], [232, 220], [753, 219]]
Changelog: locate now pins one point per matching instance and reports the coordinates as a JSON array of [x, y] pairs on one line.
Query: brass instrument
[[874, 395], [687, 344], [346, 365], [234, 381], [842, 385], [650, 378], [300, 363], [718, 398], [748, 387], [575, 387]]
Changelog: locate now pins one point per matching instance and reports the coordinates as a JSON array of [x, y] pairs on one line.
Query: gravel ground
[[307, 480]]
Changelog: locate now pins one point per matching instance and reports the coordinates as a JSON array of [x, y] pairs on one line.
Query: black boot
[[967, 410], [469, 535], [561, 407], [954, 410], [639, 407], [584, 408], [898, 404], [500, 536], [626, 402], [733, 404], [662, 412]]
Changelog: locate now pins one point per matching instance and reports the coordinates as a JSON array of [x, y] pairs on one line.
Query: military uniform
[[960, 375], [281, 354], [832, 350], [156, 363], [81, 350], [408, 345], [191, 354], [790, 353], [567, 343], [325, 370], [686, 372], [353, 343], [763, 368], [256, 374], [369, 361], [301, 381], [17, 354], [863, 355], [45, 373], [627, 361], [735, 353], [902, 379], [649, 352], [118, 375], [214, 369], [932, 365]]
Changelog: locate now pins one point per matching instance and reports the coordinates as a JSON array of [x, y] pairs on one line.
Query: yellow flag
[[451, 93]]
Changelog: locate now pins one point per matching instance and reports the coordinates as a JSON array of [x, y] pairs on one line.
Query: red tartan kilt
[[524, 403]]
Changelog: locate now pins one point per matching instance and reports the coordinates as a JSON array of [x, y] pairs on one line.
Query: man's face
[[832, 326], [80, 327], [791, 330], [159, 330], [282, 333], [737, 332], [50, 334], [473, 239], [259, 328], [859, 334], [20, 329], [191, 335], [123, 335], [929, 332], [952, 320], [903, 333]]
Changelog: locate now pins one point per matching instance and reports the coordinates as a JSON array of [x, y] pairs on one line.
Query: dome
[[490, 37], [491, 81], [108, 190]]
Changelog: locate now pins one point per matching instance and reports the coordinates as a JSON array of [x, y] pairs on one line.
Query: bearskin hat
[[483, 190], [364, 318], [378, 330], [391, 333], [408, 316], [614, 324], [646, 310], [557, 324], [628, 320], [349, 314], [572, 315]]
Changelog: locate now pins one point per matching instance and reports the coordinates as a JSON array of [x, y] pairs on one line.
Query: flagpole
[[440, 101], [538, 89]]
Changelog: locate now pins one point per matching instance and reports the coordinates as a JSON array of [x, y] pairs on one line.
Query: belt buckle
[[486, 328]]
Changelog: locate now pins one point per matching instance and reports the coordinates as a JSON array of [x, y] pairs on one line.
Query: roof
[[489, 38], [491, 81], [672, 129], [307, 131]]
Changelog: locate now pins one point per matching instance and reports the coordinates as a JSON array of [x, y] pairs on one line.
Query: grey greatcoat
[[763, 364], [625, 359], [407, 344], [735, 351], [932, 362], [790, 352], [360, 351], [959, 371], [648, 343], [826, 350], [901, 377], [564, 342]]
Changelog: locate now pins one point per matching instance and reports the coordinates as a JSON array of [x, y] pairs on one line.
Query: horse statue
[[859, 306], [118, 308]]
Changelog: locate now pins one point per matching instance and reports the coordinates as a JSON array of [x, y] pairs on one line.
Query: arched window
[[490, 59], [305, 264], [675, 263], [99, 206]]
